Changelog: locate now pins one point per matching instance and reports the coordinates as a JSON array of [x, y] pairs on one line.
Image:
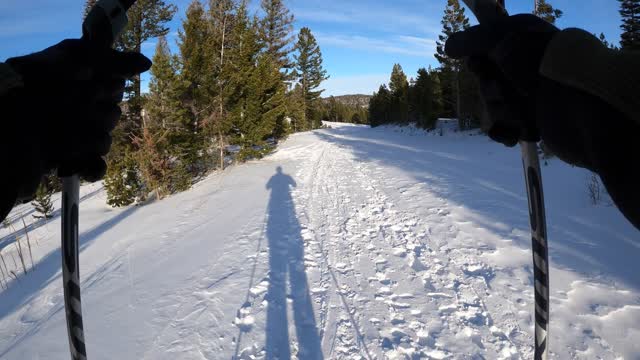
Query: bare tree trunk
[[224, 34], [21, 255], [3, 281], [459, 102], [15, 264], [304, 99], [220, 91], [221, 144], [26, 231], [5, 264]]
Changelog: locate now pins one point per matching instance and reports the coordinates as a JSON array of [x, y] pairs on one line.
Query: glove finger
[[93, 169], [481, 39], [99, 144], [110, 90], [498, 96], [73, 152], [104, 119], [504, 135], [127, 64]]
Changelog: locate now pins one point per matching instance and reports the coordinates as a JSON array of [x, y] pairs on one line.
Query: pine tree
[[276, 30], [123, 183], [240, 67], [332, 111], [399, 88], [262, 105], [546, 12], [42, 201], [310, 74], [270, 93], [454, 20], [88, 6], [471, 105], [165, 154], [196, 62], [379, 107], [153, 160], [221, 23], [257, 94], [630, 12], [422, 100], [295, 108], [163, 103], [222, 20], [606, 43], [198, 74], [147, 19]]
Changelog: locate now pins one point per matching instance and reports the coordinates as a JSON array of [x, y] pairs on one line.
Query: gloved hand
[[66, 110], [505, 56], [579, 127]]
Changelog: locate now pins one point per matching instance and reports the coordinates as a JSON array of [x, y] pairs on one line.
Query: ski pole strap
[[71, 267]]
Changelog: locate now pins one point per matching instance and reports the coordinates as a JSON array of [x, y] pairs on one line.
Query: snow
[[370, 244]]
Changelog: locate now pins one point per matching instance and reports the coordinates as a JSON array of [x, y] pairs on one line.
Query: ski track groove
[[390, 276], [328, 215]]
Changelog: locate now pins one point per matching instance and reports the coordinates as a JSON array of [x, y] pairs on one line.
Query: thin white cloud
[[404, 45], [354, 84], [418, 41], [375, 16], [322, 16], [149, 46], [11, 27]]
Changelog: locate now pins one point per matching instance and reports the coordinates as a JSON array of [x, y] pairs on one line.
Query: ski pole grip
[[105, 21], [487, 10], [67, 170], [102, 26]]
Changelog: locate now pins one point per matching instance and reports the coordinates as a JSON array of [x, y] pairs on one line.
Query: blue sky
[[360, 39]]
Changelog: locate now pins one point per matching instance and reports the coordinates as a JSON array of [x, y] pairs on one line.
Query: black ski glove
[[505, 56], [63, 115], [578, 127]]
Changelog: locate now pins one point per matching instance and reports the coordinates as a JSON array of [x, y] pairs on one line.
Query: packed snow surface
[[346, 243]]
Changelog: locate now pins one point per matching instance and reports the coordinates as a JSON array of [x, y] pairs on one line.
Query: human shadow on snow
[[286, 258]]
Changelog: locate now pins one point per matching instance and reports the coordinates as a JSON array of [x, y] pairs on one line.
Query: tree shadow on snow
[[286, 257], [15, 220], [47, 270], [491, 187]]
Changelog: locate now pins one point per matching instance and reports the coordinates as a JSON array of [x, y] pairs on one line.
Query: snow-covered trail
[[368, 244]]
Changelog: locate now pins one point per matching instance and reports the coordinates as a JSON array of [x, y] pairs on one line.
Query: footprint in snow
[[396, 319]]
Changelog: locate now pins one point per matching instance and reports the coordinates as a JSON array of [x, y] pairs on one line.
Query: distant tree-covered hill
[[351, 100], [345, 108]]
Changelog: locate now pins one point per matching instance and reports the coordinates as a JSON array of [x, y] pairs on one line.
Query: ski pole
[[103, 24], [487, 11]]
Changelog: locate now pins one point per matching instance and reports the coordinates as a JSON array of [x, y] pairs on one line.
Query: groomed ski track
[[401, 244]]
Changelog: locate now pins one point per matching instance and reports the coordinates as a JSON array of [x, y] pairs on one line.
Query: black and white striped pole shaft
[[487, 11], [103, 24], [70, 267]]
